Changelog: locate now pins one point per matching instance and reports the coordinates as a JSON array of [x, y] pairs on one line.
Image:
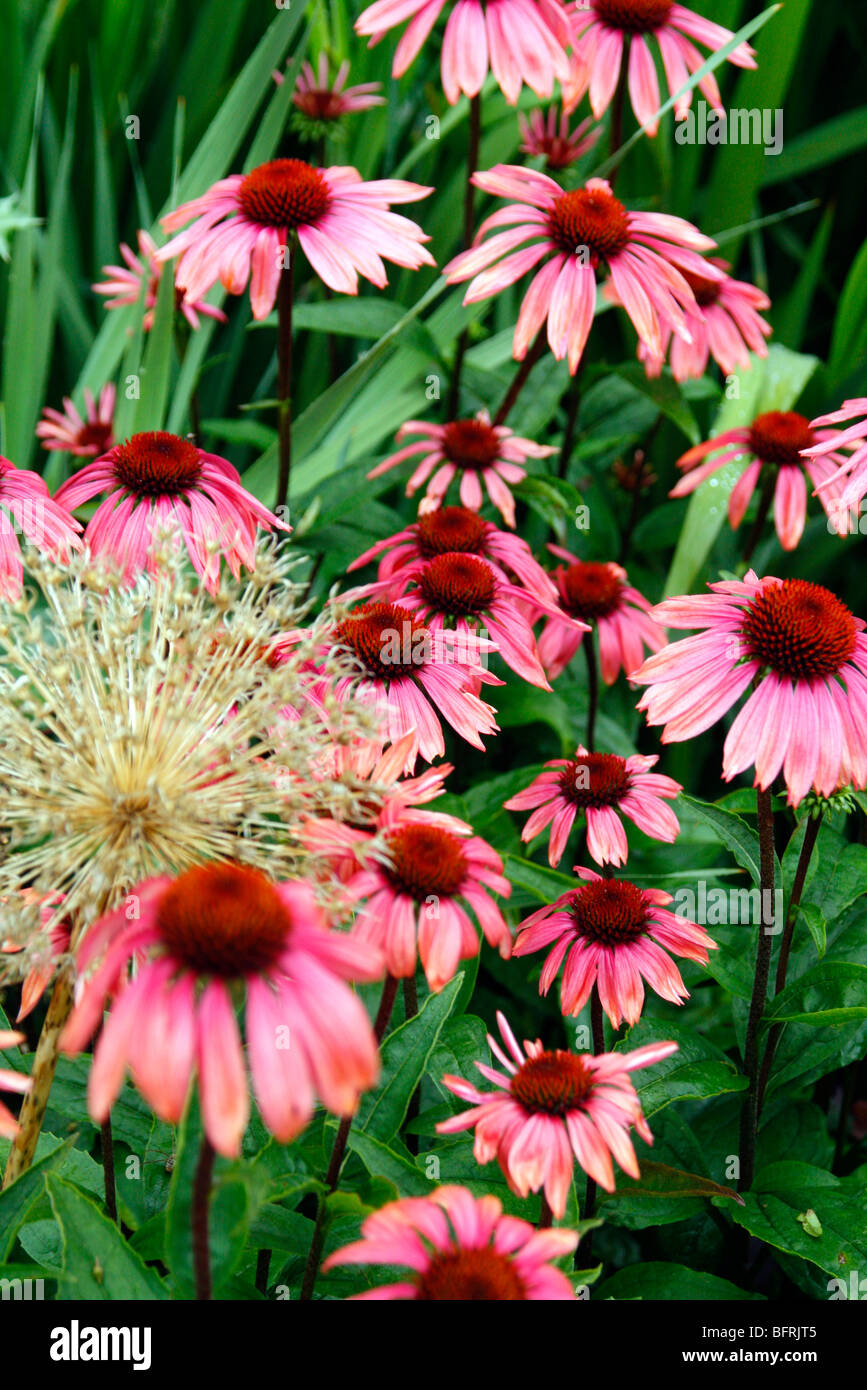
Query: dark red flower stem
[[597, 1029], [475, 131], [107, 1144], [592, 688], [199, 1220], [546, 1216], [520, 379], [332, 1177], [750, 1112], [765, 498], [811, 834], [284, 375]]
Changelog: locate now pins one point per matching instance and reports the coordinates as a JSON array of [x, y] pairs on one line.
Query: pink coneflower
[[324, 99], [125, 281], [849, 478], [645, 254], [614, 935], [551, 1109], [774, 444], [66, 431], [599, 595], [55, 944], [156, 480], [11, 1080], [806, 655], [415, 897], [243, 225], [601, 785], [460, 1248], [336, 844], [411, 676], [458, 529], [550, 137], [26, 506], [603, 28], [468, 594], [474, 449], [726, 326], [201, 939], [520, 40]]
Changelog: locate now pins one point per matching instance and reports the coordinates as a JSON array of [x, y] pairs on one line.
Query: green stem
[[758, 1001], [284, 376]]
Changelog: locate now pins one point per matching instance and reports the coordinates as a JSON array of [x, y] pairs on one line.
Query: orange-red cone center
[[285, 193], [799, 630], [223, 919], [157, 464]]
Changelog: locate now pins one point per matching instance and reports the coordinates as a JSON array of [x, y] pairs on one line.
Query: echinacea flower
[[805, 655], [413, 897], [157, 480], [598, 595], [605, 30], [199, 941], [460, 1248], [66, 431], [520, 40], [241, 227], [573, 232], [614, 935], [551, 1108], [11, 1080], [602, 786], [774, 445], [467, 594], [458, 529], [476, 451], [408, 676], [124, 282], [725, 325], [324, 99], [849, 478], [27, 507], [546, 136]]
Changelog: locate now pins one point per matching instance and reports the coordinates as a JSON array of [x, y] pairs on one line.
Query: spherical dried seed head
[[426, 861], [591, 591], [590, 218], [609, 911], [461, 585], [799, 630], [222, 919], [471, 1275], [552, 1083], [284, 193], [470, 443], [451, 529], [157, 464], [634, 16], [779, 436], [595, 779]]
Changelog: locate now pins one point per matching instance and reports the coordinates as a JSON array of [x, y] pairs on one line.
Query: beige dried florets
[[140, 732]]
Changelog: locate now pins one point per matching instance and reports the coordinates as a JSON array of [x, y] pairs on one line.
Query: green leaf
[[834, 139], [384, 1161], [19, 1198], [773, 1218], [670, 1282], [832, 992], [97, 1261], [405, 1054], [661, 1180], [850, 325], [698, 1069], [666, 396], [150, 410], [545, 884], [733, 832], [773, 383]]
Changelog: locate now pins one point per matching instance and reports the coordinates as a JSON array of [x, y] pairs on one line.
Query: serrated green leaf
[[97, 1262]]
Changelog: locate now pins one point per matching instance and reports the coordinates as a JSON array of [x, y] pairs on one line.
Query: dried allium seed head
[[140, 733]]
